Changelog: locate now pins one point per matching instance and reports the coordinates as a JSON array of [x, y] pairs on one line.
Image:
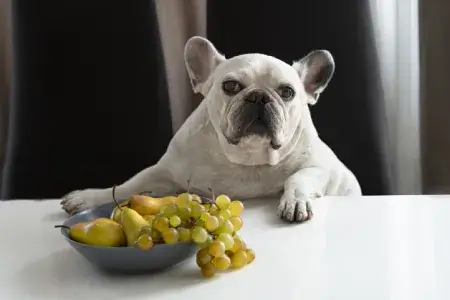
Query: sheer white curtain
[[178, 21], [395, 25]]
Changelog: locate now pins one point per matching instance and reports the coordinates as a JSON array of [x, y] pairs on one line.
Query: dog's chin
[[251, 142]]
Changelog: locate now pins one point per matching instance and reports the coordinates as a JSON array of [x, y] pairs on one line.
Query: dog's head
[[256, 102]]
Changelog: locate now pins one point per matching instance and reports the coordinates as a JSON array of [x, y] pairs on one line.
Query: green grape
[[203, 257], [145, 230], [237, 244], [161, 223], [208, 270], [237, 223], [223, 201], [244, 245], [212, 223], [199, 263], [227, 240], [196, 198], [225, 214], [170, 236], [216, 248], [156, 235], [206, 244], [169, 210], [184, 234], [199, 235], [236, 208], [250, 255], [193, 203], [175, 221], [184, 199], [214, 210], [221, 219], [144, 242], [184, 213], [197, 210], [204, 216], [222, 262], [225, 227], [239, 259], [200, 223]]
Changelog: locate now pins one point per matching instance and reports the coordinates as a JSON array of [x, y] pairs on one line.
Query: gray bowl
[[126, 259]]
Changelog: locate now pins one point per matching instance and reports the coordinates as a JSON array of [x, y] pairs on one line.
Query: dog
[[251, 136]]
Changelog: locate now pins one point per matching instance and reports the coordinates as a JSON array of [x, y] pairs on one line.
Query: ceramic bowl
[[126, 259]]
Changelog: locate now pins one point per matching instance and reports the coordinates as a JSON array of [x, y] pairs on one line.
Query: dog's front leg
[[299, 189], [155, 179]]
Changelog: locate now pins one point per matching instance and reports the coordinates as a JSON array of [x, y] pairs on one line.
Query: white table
[[354, 248]]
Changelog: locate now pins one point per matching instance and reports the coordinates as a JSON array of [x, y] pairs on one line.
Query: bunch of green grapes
[[212, 226], [221, 248]]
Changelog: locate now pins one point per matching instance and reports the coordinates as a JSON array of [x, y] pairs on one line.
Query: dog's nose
[[258, 96]]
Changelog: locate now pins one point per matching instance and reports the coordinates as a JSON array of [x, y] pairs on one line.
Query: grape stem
[[213, 196], [188, 186], [114, 197]]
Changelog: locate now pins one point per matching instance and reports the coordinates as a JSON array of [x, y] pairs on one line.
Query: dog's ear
[[316, 70], [201, 59]]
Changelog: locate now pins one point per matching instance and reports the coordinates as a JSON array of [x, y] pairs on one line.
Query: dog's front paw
[[295, 209], [77, 201]]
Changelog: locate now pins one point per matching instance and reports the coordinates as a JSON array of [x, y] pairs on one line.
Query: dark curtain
[[345, 115], [89, 104]]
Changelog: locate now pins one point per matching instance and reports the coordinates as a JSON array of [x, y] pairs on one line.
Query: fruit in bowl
[[146, 233]]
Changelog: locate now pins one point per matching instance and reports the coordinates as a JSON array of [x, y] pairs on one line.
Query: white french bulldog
[[252, 136]]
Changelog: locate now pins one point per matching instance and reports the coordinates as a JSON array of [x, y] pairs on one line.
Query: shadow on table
[[66, 272], [58, 216]]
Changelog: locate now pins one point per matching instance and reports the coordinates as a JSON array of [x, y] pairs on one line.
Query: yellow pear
[[146, 205], [99, 232], [115, 215], [132, 223]]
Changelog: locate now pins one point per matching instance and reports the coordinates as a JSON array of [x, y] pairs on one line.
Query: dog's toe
[[77, 201], [295, 209], [68, 196], [73, 205]]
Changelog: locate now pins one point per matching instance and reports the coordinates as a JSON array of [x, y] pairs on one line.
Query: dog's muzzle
[[257, 115]]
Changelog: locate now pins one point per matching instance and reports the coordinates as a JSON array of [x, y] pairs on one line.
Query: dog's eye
[[286, 92], [231, 87]]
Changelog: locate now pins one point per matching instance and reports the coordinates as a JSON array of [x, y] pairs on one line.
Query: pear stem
[[114, 198], [62, 226]]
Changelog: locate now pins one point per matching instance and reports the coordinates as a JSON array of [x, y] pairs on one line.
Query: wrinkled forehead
[[253, 67]]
